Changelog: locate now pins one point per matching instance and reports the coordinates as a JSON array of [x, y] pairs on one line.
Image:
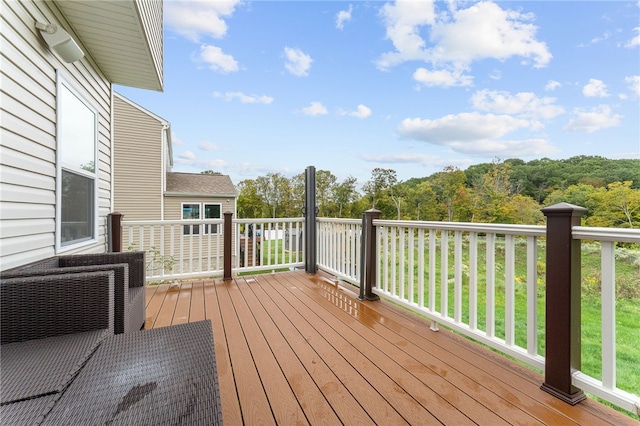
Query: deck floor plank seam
[[284, 403], [412, 405], [297, 348], [330, 367]]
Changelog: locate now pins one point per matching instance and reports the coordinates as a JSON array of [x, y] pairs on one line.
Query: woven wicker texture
[[43, 366], [121, 284], [26, 413], [129, 306], [150, 377], [37, 307]]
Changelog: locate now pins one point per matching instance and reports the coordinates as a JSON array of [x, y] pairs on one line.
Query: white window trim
[[201, 205], [60, 81]]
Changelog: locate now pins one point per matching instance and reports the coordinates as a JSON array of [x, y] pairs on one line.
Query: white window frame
[[203, 229], [61, 82], [191, 225]]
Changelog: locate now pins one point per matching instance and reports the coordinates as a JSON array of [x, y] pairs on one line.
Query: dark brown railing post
[[227, 240], [563, 344], [368, 255], [114, 232]]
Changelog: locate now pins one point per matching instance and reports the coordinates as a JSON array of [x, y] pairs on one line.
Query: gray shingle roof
[[200, 184]]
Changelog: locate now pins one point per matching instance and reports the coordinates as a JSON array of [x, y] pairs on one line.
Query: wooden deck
[[294, 348]]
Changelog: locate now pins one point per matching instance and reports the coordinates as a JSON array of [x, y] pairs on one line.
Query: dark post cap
[[563, 209]]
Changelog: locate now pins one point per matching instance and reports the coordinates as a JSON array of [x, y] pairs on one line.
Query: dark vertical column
[[563, 319], [227, 240], [114, 232], [368, 257], [310, 263]]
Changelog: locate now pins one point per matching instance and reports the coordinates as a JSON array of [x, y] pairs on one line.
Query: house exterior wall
[[29, 72], [138, 163]]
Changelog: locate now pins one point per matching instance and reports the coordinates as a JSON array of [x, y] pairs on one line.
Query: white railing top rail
[[339, 220], [169, 222], [491, 228], [622, 235], [270, 220]]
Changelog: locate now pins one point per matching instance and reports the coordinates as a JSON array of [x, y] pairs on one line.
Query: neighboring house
[[56, 117], [146, 190]]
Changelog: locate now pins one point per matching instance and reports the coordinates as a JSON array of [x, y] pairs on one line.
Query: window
[[76, 207], [195, 211], [212, 211], [191, 212]]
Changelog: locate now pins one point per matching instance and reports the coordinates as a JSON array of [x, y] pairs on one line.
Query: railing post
[[227, 239], [114, 232], [310, 261], [368, 257], [563, 317]]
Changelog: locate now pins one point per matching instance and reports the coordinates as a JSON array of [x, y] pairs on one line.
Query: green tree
[[345, 193], [448, 186], [380, 182], [617, 206], [210, 172], [249, 202], [325, 184]]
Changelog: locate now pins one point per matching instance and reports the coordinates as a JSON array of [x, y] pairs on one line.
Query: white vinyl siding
[[28, 133]]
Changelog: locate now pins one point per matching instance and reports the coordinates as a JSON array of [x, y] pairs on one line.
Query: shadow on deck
[[294, 348]]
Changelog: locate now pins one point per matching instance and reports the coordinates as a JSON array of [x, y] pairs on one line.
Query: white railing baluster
[[473, 280], [608, 263], [532, 295], [385, 265], [509, 288], [401, 263], [432, 270], [457, 286], [410, 264], [444, 273], [490, 327], [421, 268], [394, 260]]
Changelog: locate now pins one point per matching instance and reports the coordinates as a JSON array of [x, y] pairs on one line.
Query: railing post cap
[[116, 214], [228, 213], [563, 209], [372, 211]]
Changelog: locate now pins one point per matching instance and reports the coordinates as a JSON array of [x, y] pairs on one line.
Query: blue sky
[[257, 87]]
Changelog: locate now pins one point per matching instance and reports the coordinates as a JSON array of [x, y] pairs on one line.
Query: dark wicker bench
[[129, 283], [62, 364], [50, 326]]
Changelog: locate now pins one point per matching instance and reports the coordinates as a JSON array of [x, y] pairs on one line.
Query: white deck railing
[[338, 253], [179, 249], [432, 268], [606, 387]]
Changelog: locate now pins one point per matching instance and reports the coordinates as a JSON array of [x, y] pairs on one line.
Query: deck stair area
[[297, 348]]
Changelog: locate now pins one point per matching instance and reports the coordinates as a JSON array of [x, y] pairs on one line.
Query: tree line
[[509, 191]]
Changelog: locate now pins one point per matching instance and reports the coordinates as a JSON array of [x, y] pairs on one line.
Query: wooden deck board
[[294, 348]]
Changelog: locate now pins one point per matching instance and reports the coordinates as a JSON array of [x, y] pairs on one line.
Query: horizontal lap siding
[[137, 163], [28, 133]]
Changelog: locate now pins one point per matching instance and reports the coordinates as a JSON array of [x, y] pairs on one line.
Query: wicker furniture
[[129, 287], [174, 381], [51, 325], [61, 363]]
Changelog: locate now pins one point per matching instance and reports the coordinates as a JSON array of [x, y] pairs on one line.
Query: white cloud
[[460, 37], [404, 158], [315, 108], [244, 98], [634, 84], [525, 104], [208, 146], [595, 89], [187, 155], [343, 16], [476, 134], [635, 41], [442, 78], [175, 140], [403, 20], [298, 63], [361, 112], [195, 19], [552, 85], [217, 60], [598, 118], [464, 127]]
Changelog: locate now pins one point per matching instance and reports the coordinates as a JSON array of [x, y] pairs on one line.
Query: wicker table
[[150, 377]]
